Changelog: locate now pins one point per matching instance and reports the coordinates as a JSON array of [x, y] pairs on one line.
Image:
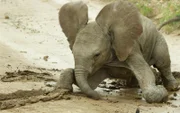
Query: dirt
[[21, 94], [22, 98], [26, 75], [33, 51]]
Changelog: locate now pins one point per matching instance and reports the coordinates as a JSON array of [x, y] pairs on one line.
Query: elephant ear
[[72, 17], [121, 20]]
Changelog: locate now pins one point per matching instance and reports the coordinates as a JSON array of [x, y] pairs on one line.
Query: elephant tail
[[175, 19]]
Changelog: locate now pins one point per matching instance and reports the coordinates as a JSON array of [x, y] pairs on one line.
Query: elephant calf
[[120, 43]]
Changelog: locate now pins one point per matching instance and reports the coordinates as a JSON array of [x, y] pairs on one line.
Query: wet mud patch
[[114, 84], [26, 75], [22, 98]]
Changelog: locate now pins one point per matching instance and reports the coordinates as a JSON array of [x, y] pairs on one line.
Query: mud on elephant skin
[[120, 43]]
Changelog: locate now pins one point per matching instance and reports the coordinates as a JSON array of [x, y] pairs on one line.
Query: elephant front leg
[[66, 80], [63, 85], [146, 79]]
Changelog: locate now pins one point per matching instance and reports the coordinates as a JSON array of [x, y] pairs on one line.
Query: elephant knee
[[162, 60], [163, 63], [157, 94], [67, 75], [66, 79]]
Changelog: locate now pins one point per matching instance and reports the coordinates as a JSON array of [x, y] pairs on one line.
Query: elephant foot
[[156, 94], [64, 85], [66, 88], [172, 85]]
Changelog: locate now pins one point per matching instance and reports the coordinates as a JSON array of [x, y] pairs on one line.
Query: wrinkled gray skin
[[120, 43]]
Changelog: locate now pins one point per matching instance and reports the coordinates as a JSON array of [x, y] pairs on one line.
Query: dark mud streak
[[26, 75], [21, 94], [21, 98]]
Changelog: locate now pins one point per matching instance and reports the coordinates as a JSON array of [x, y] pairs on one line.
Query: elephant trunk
[[81, 76]]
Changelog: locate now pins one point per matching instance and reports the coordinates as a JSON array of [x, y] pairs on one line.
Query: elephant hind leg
[[163, 64]]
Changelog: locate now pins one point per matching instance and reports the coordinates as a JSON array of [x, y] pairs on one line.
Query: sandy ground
[[31, 38]]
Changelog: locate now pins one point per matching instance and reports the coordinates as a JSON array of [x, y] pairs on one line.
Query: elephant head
[[116, 28]]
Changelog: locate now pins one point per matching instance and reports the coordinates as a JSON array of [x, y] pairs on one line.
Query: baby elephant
[[120, 43]]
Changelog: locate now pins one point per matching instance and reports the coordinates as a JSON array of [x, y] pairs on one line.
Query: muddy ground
[[33, 51]]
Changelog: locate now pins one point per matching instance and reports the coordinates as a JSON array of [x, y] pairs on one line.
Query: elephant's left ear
[[122, 21], [72, 17]]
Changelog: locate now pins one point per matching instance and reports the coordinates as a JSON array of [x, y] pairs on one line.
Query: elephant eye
[[97, 55]]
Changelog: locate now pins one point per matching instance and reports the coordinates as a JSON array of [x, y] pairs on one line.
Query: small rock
[[46, 58], [6, 17]]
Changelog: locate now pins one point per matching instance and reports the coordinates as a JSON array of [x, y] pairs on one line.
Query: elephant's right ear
[[72, 17]]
